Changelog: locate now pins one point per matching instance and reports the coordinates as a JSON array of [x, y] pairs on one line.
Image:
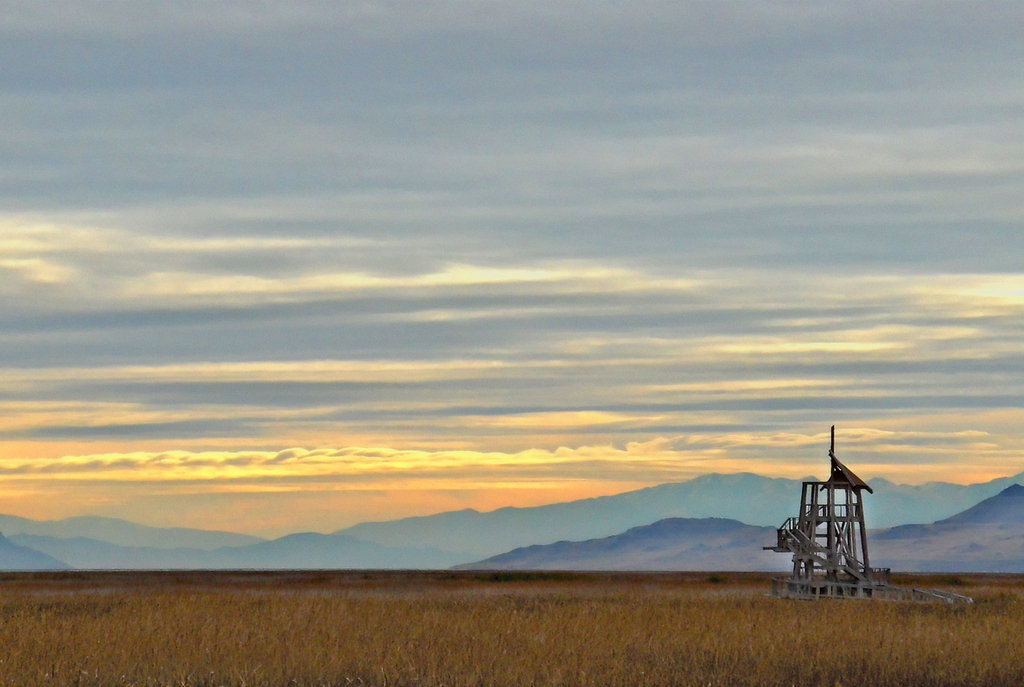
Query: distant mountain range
[[746, 497], [109, 543], [459, 537], [988, 537], [306, 550], [124, 533], [670, 544], [15, 557]]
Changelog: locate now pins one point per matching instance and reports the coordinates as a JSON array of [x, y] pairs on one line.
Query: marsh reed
[[423, 629]]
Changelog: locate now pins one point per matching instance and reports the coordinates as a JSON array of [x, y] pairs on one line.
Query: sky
[[277, 267]]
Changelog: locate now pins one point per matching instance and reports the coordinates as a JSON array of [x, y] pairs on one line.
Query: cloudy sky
[[289, 266]]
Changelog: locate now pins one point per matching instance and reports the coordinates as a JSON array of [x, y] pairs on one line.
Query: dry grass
[[486, 629]]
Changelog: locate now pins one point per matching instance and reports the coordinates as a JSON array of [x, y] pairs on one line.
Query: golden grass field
[[441, 628]]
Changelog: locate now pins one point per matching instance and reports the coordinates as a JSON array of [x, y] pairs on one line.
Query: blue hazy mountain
[[446, 539], [899, 504], [307, 551], [125, 533], [13, 556], [988, 537], [745, 497], [85, 553], [312, 550], [1005, 508], [670, 544]]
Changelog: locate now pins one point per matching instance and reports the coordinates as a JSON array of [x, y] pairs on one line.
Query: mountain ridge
[[747, 497], [14, 556], [306, 550], [124, 532], [987, 537], [701, 544], [454, 537]]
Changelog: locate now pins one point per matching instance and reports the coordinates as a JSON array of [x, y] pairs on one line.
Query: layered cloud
[[515, 251], [340, 487]]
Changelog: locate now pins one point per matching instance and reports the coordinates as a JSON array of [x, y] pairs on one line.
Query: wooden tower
[[828, 539]]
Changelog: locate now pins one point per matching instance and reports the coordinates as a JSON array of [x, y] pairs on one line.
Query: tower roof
[[842, 474]]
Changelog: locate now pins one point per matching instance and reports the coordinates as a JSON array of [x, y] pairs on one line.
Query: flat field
[[466, 628]]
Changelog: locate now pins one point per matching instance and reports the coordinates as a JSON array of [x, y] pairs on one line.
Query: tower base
[[821, 588]]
